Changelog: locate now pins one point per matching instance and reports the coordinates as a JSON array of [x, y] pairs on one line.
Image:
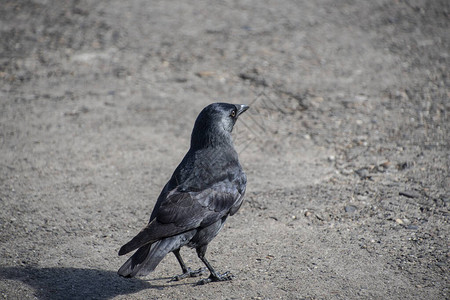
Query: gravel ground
[[346, 145]]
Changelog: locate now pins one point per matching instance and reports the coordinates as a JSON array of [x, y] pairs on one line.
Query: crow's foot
[[189, 273], [219, 277]]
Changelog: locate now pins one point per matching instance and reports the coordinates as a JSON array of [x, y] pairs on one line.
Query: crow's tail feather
[[136, 262], [147, 257], [153, 232]]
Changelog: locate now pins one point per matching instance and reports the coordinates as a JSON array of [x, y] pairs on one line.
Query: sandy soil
[[346, 145]]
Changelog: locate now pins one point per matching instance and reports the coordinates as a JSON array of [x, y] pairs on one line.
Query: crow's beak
[[242, 108]]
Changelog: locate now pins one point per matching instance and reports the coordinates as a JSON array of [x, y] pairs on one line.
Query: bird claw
[[189, 273], [219, 277]]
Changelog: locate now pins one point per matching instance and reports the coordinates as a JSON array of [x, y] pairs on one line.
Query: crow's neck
[[203, 137]]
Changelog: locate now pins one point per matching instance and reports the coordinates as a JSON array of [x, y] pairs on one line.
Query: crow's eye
[[233, 114]]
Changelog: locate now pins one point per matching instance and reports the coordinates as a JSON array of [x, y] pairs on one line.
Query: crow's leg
[[187, 272], [214, 276]]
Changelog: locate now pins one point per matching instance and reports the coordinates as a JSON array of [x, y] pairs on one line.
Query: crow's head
[[215, 123]]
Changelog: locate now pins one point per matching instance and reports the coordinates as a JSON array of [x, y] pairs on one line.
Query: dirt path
[[346, 145]]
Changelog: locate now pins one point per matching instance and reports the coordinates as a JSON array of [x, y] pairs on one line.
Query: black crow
[[206, 187]]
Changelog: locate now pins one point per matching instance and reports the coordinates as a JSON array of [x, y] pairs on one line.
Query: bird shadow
[[74, 283]]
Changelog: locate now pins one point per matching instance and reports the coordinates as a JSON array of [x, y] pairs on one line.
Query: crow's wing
[[182, 211]]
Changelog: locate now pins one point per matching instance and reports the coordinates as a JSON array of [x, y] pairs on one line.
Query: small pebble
[[350, 208], [406, 221], [363, 173], [346, 171], [409, 194], [319, 217]]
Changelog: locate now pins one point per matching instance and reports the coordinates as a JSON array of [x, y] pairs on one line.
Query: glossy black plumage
[[206, 187]]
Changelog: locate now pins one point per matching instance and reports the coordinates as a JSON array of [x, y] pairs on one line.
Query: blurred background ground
[[346, 145]]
